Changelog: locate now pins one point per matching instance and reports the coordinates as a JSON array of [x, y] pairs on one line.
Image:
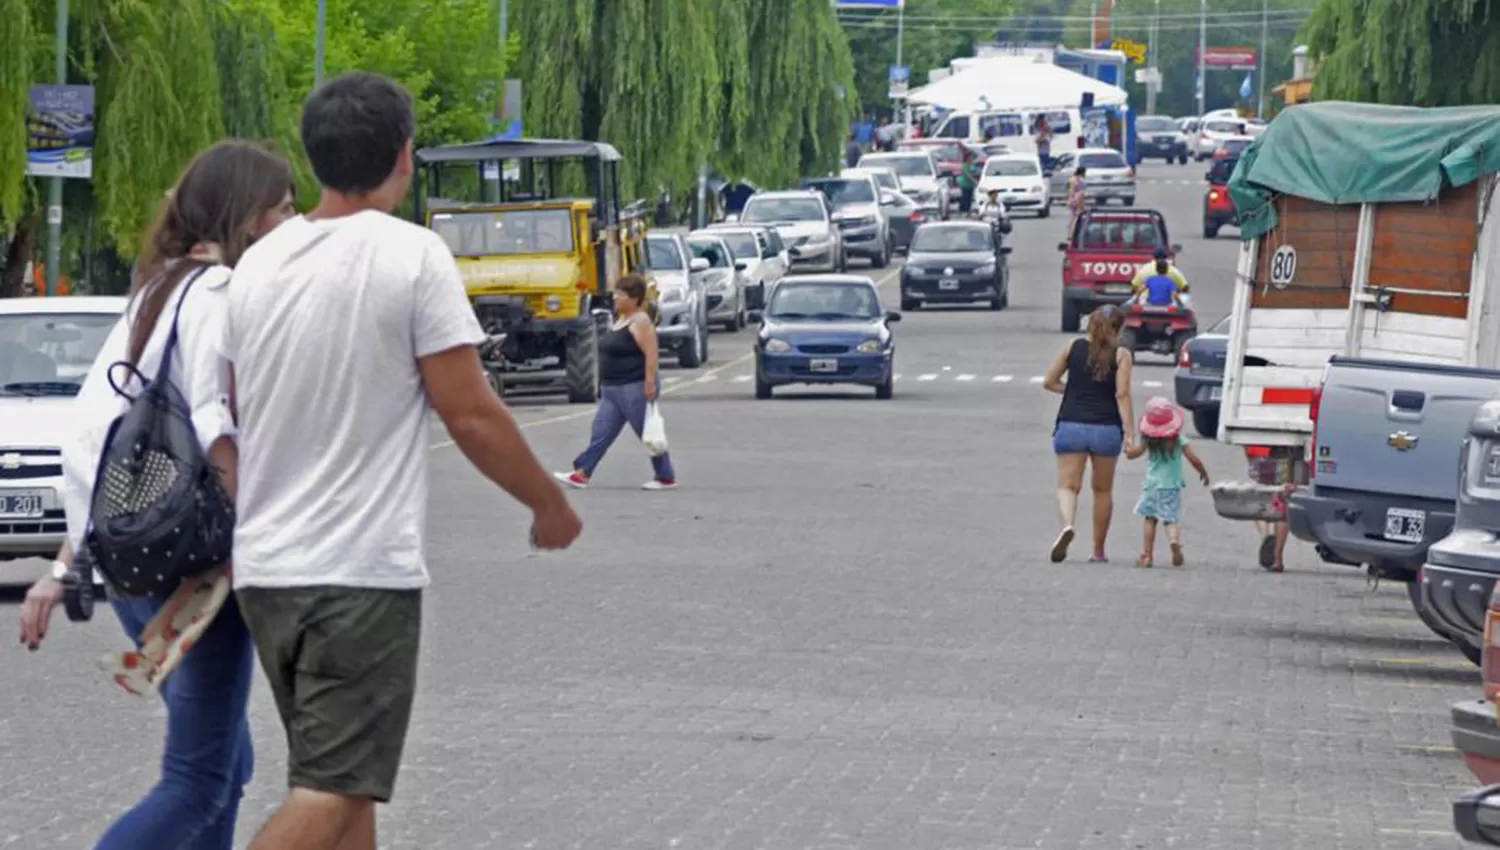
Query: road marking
[[896, 377], [670, 384], [1429, 749], [927, 377], [947, 368], [706, 378], [1150, 383], [1037, 379], [740, 379], [1004, 379], [965, 377]]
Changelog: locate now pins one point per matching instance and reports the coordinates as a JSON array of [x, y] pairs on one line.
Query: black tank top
[[621, 360], [1088, 400]]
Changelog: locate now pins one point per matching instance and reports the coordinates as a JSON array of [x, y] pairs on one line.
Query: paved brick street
[[843, 632]]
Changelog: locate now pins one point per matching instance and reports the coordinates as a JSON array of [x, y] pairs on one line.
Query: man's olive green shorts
[[343, 667]]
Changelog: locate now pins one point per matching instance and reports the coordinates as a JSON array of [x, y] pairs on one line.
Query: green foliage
[[938, 32], [1431, 53], [15, 79]]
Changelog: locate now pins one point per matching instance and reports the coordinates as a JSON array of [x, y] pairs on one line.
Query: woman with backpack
[[228, 197]]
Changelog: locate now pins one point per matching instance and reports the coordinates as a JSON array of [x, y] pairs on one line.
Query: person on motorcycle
[[1161, 284], [993, 210]]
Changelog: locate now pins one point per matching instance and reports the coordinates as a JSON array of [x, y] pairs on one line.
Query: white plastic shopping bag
[[654, 432]]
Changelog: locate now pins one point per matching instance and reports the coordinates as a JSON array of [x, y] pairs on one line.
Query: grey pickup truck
[[1384, 461]]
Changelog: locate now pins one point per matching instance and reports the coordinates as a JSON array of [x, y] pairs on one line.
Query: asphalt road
[[843, 632]]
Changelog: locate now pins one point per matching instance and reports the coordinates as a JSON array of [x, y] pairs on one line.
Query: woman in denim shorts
[[1095, 422]]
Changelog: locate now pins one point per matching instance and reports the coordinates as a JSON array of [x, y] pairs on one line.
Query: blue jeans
[[620, 405], [1083, 438], [207, 759]]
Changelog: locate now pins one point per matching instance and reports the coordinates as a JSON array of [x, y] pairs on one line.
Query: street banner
[[60, 132], [1228, 58], [900, 81]]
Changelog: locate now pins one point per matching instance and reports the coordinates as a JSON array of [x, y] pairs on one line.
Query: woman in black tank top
[[1095, 422], [629, 384]]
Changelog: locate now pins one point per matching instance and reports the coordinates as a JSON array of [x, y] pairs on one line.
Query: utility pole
[[322, 36], [504, 24], [55, 187], [1154, 83], [1260, 101], [900, 39], [1202, 55], [1093, 24]]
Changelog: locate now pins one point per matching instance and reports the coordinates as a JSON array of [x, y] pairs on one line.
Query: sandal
[[1098, 558], [1277, 568], [1176, 554], [1060, 545], [1268, 551], [1143, 562]]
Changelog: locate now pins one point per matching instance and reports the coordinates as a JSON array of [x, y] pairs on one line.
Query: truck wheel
[[582, 364], [1206, 423], [1129, 201], [883, 259], [1210, 229], [1070, 317], [1469, 652]]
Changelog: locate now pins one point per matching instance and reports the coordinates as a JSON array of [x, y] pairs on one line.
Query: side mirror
[[700, 264], [893, 316], [1062, 246], [1476, 816], [793, 253], [753, 316], [1005, 250], [740, 265], [887, 198]]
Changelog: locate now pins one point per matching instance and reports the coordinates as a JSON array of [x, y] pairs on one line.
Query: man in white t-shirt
[[345, 327]]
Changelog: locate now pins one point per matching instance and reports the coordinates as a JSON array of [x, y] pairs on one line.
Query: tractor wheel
[[582, 363]]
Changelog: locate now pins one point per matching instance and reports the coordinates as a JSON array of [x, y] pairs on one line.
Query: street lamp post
[[322, 36], [1202, 55], [55, 185], [1260, 101], [1154, 82]]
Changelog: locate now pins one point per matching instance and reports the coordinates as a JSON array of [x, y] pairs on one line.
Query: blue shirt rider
[[1159, 284]]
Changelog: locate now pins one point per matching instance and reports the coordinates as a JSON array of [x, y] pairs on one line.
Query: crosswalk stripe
[[927, 377], [965, 377], [707, 378], [740, 379], [1150, 383], [1003, 379], [671, 379], [1036, 379]]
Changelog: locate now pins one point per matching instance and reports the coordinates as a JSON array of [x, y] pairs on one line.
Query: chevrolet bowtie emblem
[[948, 270], [10, 460], [1402, 441]]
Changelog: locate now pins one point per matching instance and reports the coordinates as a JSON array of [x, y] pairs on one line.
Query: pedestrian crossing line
[[1152, 384], [1037, 379], [1003, 379], [927, 377], [706, 378], [966, 377], [742, 379], [671, 379]]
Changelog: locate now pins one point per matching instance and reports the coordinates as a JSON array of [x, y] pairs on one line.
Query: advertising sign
[[60, 132], [1134, 51], [1228, 58], [900, 80]]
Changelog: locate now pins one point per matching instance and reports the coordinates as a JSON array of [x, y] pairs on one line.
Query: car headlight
[[985, 270], [1036, 190], [870, 346], [866, 221], [915, 270], [672, 296], [553, 303], [777, 345]]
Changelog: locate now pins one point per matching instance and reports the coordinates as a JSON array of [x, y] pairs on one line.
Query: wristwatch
[[60, 571]]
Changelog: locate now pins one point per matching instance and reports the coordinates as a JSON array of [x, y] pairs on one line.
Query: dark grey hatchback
[[1199, 379], [956, 262]]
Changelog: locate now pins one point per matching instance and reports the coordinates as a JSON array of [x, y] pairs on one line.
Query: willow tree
[[749, 88], [1434, 53]]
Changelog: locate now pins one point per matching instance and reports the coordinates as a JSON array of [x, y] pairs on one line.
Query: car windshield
[[1012, 168], [1222, 127], [50, 353], [1136, 233], [502, 232], [783, 209], [743, 245], [1104, 160], [906, 166], [841, 192], [664, 255], [938, 240], [885, 180], [1235, 145], [711, 250], [1155, 125], [829, 302]]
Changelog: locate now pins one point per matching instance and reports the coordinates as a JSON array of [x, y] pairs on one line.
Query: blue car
[[824, 330], [1199, 378]]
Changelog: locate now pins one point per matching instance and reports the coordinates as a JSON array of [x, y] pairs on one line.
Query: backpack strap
[[132, 371]]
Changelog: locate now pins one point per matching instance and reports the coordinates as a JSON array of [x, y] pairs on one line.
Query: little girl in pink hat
[[1161, 490]]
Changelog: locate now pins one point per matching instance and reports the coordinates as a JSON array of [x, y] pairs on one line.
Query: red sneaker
[[660, 484], [574, 479]]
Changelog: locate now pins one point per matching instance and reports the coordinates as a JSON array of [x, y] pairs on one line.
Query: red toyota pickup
[[1102, 255]]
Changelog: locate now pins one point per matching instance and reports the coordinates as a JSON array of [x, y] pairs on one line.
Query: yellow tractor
[[540, 262]]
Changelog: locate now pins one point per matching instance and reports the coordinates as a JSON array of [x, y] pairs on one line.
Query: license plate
[[947, 283], [23, 504], [1215, 393], [823, 365], [1118, 289], [1404, 525]]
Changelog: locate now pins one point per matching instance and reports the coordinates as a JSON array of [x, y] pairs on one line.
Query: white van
[[1016, 129]]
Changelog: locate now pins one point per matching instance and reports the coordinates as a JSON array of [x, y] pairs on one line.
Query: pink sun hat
[[1162, 418]]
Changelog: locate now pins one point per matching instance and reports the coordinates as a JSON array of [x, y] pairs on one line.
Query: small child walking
[[1161, 491]]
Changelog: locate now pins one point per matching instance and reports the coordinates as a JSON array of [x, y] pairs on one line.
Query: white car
[[47, 346], [1213, 131], [807, 224], [1019, 177], [1107, 176], [920, 180], [723, 281]]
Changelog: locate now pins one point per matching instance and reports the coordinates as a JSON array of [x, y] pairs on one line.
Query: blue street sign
[[1245, 89]]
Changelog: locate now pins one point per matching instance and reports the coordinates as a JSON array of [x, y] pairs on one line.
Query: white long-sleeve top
[[199, 372]]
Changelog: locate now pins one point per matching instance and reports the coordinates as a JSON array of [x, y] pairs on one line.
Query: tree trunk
[[17, 255]]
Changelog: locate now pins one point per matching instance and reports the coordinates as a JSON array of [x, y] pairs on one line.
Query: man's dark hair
[[354, 128]]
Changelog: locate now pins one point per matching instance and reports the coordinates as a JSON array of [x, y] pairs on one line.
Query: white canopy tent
[[1002, 84]]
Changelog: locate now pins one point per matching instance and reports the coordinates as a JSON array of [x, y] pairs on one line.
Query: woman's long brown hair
[[218, 200], [1103, 342]]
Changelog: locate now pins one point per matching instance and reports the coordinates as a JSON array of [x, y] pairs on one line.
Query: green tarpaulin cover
[[1354, 153]]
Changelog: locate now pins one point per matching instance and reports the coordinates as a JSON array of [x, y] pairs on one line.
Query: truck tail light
[[1313, 408], [1489, 663], [1184, 359]]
